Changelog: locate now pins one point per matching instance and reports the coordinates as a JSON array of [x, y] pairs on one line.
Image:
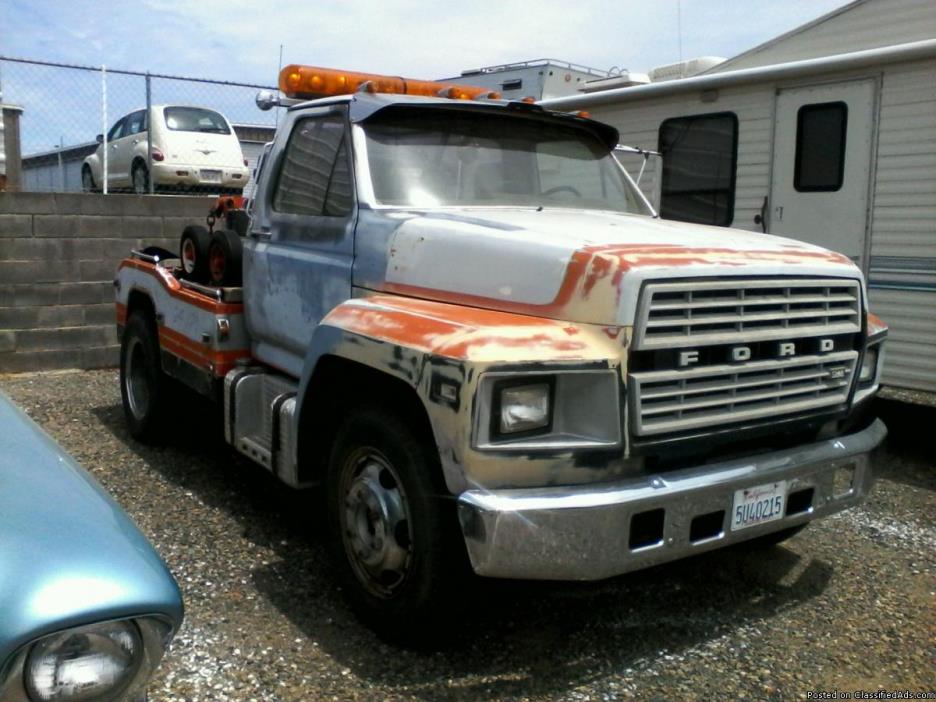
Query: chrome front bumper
[[583, 532]]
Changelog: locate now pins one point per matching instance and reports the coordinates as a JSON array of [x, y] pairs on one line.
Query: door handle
[[136, 141], [761, 218], [114, 146], [259, 235], [779, 211]]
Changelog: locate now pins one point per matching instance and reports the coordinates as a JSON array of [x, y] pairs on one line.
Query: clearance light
[[312, 82], [583, 114]]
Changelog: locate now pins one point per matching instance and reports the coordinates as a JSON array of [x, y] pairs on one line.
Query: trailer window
[[315, 178], [820, 147], [699, 158]]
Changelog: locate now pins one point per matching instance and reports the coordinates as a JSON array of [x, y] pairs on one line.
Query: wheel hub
[[376, 524]]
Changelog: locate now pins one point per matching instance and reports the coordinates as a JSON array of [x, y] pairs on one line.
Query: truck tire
[[392, 527], [225, 259], [144, 388], [193, 250]]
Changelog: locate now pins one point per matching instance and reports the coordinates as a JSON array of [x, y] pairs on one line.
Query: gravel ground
[[848, 604]]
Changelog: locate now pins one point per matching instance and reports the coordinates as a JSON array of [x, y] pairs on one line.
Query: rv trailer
[[836, 150]]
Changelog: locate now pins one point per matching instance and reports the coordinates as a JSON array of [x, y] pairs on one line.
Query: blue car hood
[[69, 555]]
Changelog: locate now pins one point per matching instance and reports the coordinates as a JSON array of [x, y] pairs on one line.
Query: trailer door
[[821, 164]]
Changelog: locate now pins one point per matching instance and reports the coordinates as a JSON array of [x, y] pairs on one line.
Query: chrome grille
[[721, 312], [673, 401], [774, 319]]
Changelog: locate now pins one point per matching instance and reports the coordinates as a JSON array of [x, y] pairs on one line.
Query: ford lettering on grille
[[710, 353]]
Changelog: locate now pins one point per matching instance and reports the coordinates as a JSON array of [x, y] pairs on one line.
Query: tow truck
[[459, 317]]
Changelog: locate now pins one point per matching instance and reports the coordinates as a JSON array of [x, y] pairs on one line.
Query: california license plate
[[758, 505], [210, 176]]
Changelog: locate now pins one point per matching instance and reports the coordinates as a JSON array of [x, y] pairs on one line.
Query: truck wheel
[[390, 531], [193, 250], [143, 385], [224, 259]]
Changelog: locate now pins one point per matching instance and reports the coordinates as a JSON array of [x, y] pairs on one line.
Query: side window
[[135, 123], [315, 176], [820, 147], [699, 158], [117, 130], [338, 201]]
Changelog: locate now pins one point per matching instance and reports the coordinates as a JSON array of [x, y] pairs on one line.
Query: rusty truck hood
[[581, 266]]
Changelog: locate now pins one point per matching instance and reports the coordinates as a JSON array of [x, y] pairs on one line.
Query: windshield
[[195, 119], [433, 158]]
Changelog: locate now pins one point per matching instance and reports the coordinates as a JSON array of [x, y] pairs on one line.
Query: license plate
[[758, 505], [210, 176]]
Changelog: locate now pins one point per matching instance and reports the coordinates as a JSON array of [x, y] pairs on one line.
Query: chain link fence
[[73, 128]]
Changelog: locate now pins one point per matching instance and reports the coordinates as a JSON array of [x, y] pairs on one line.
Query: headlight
[[87, 664], [868, 365], [567, 408], [524, 408]]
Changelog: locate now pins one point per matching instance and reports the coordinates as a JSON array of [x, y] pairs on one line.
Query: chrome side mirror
[[267, 100]]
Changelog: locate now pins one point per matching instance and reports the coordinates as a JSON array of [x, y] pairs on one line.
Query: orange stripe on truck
[[198, 354], [175, 289]]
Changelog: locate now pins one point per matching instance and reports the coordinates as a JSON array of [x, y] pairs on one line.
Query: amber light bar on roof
[[311, 82]]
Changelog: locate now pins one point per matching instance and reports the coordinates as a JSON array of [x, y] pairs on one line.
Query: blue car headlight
[[80, 665], [102, 662]]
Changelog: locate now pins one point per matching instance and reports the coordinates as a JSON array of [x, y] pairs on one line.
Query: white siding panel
[[904, 218], [903, 225], [910, 356]]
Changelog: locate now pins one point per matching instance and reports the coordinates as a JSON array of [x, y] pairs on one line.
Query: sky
[[239, 40]]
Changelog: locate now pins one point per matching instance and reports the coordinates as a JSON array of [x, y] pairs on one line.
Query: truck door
[[822, 156], [297, 260]]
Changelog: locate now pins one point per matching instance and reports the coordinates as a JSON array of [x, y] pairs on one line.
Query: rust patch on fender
[[462, 333]]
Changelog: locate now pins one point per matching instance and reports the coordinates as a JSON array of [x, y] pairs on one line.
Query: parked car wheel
[[87, 180], [140, 178], [225, 260], [144, 388], [391, 528], [193, 250]]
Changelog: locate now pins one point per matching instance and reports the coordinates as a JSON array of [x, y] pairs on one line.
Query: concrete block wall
[[58, 256]]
